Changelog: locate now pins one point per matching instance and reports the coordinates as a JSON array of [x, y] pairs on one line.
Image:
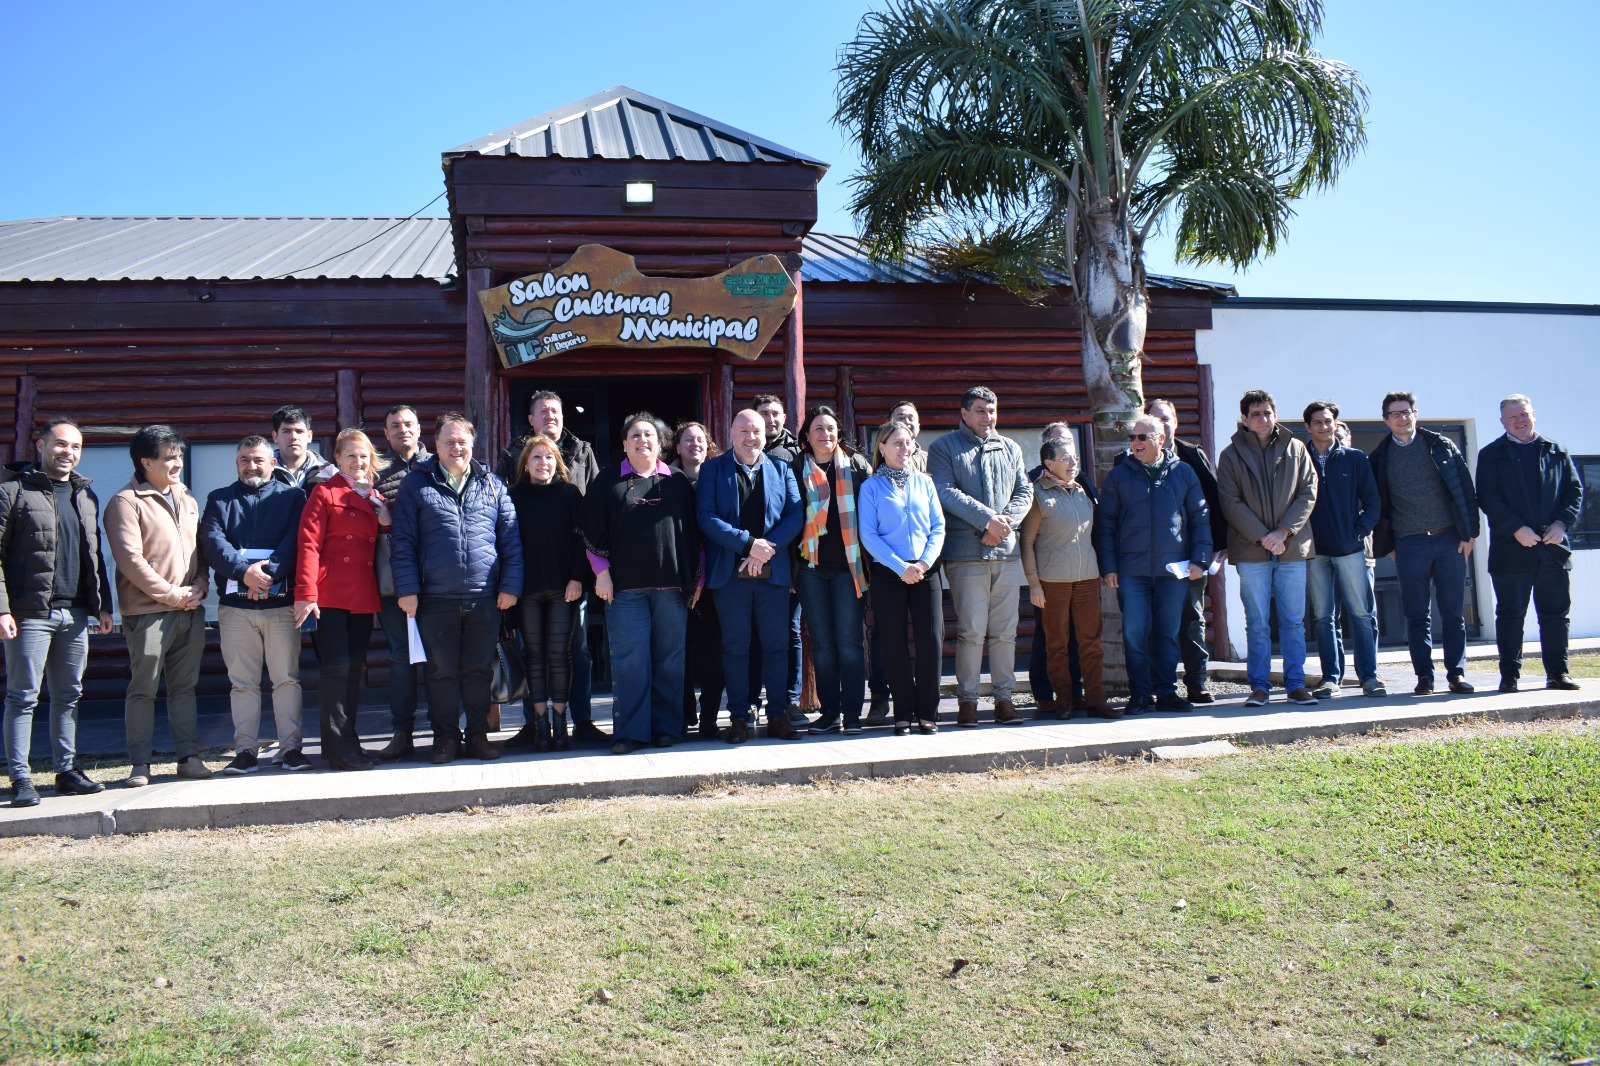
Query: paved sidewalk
[[274, 797]]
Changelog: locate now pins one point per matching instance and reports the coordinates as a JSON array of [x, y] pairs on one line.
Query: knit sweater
[[549, 517]]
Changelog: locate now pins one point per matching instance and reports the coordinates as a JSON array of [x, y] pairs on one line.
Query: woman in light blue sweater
[[902, 528]]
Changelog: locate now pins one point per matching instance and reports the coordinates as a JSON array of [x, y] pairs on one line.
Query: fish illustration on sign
[[519, 337]]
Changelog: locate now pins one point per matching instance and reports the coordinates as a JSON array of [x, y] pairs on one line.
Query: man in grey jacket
[[983, 486]]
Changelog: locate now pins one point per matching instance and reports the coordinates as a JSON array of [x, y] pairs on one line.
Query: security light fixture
[[638, 193]]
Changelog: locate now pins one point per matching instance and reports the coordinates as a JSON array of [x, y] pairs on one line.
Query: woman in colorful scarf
[[831, 574], [902, 528]]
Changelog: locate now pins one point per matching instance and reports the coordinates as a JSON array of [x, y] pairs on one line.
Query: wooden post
[[847, 405], [724, 413], [27, 395], [794, 358], [480, 362], [347, 393], [1216, 584]]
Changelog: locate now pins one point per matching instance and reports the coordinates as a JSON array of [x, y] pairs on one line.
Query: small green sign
[[756, 285]]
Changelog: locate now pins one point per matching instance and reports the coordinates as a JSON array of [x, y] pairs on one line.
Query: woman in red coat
[[335, 583]]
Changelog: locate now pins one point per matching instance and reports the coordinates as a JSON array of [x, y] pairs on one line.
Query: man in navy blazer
[[749, 510]]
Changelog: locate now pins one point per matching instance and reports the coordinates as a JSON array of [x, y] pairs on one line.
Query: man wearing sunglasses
[[1428, 522], [1267, 487]]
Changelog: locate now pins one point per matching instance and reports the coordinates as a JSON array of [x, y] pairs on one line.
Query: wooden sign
[[598, 297]]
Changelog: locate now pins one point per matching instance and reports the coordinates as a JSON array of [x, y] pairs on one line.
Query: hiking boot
[[294, 761], [480, 747], [967, 713], [138, 776], [193, 769], [400, 746], [1005, 712], [241, 764], [23, 794], [75, 782]]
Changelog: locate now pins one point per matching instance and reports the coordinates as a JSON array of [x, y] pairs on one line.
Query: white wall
[[1458, 362]]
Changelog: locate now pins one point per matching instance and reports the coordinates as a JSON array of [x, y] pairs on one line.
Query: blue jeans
[[1437, 560], [1151, 607], [836, 619], [760, 610], [1342, 585], [1261, 585], [646, 629], [52, 648]]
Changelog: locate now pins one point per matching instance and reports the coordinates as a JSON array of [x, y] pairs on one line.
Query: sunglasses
[[1144, 436]]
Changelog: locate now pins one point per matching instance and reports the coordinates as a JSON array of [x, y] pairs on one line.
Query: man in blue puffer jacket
[[1152, 516], [457, 560]]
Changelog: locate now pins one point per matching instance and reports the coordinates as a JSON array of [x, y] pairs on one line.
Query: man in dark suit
[[1192, 624], [1529, 488], [749, 510]]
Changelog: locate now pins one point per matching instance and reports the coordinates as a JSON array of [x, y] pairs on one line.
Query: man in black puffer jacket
[[457, 560], [55, 587]]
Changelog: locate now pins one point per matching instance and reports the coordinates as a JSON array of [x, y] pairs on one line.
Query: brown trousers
[[1073, 608]]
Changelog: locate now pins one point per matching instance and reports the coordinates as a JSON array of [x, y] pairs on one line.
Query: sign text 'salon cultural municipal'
[[598, 297]]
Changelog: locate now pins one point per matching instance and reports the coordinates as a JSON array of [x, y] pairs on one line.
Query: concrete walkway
[[274, 797]]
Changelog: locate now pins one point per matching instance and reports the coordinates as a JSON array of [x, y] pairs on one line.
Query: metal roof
[[839, 257], [622, 123], [74, 248]]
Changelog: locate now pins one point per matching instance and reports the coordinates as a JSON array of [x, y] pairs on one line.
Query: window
[[1587, 534]]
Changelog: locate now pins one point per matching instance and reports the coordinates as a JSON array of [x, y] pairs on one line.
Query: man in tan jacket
[[1267, 488], [151, 528]]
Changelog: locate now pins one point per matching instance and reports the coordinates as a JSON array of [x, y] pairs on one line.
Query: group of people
[[707, 567]]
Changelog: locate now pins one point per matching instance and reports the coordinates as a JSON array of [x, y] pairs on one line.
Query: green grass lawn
[[1581, 665], [1430, 901]]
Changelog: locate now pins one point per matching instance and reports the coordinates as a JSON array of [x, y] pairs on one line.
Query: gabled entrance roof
[[622, 123]]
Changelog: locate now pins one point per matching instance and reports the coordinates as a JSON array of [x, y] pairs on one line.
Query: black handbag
[[382, 568], [508, 682]]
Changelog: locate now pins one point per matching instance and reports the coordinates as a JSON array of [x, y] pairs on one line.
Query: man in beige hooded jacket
[[1267, 488], [151, 527]]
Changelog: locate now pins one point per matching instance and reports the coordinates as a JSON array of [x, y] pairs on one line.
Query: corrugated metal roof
[[74, 248], [622, 123], [839, 257]]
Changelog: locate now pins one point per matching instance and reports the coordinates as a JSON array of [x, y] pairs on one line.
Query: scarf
[[819, 497]]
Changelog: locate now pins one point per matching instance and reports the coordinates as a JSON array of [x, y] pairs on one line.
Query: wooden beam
[[480, 366], [794, 357], [27, 391], [347, 390]]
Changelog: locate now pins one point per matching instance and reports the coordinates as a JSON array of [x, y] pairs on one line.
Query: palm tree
[[1021, 138]]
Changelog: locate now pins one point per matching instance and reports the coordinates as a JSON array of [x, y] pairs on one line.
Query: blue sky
[[1476, 185]]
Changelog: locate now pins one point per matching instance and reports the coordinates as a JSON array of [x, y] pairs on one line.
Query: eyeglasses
[[1144, 436], [1401, 414]]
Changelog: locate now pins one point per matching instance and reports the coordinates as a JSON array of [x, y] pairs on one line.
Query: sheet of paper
[[1179, 570], [418, 655]]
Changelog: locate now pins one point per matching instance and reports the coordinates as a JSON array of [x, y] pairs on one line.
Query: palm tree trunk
[[1115, 311]]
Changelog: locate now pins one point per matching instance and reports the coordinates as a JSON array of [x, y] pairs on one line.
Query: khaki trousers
[[252, 640], [166, 643], [986, 596]]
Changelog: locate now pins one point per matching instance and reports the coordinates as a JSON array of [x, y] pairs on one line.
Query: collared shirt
[[662, 470]]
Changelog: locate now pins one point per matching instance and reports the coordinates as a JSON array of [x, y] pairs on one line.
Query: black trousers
[[459, 637], [1551, 589], [703, 663], [894, 603], [1192, 636], [341, 640], [546, 619]]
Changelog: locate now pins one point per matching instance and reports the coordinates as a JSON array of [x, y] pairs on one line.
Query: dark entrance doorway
[[595, 407]]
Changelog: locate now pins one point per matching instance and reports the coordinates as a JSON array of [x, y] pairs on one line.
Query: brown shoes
[[1104, 710], [446, 748], [738, 731], [479, 746], [1005, 712], [780, 728], [966, 713]]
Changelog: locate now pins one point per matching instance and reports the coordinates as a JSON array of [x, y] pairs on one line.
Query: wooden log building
[[210, 324]]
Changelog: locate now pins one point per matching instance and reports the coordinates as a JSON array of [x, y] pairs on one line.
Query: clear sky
[[1477, 183]]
